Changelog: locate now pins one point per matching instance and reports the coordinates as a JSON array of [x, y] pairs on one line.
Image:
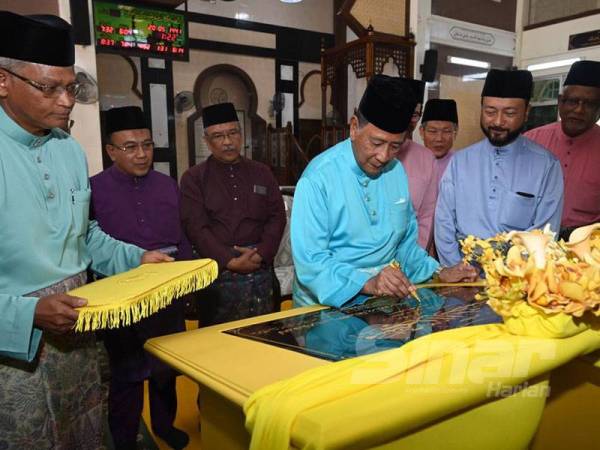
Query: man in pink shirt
[[439, 126], [419, 164], [575, 141]]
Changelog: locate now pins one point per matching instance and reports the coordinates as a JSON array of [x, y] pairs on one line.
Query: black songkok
[[440, 109], [41, 39], [584, 73], [388, 103], [125, 118], [508, 84], [417, 87], [219, 113]]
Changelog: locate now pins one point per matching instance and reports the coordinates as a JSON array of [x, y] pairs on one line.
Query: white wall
[[311, 108], [551, 43], [314, 15], [86, 129]]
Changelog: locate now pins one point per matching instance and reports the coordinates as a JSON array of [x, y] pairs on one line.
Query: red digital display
[[140, 30]]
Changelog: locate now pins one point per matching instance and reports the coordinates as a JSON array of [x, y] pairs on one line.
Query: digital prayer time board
[[140, 31]]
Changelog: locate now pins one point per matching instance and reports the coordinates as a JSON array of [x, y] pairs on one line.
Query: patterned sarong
[[235, 296], [55, 401]]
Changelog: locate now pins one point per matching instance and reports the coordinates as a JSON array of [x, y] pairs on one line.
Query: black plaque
[[582, 40], [377, 325]]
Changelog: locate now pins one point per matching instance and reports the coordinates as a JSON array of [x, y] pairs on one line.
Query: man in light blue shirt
[[504, 182], [53, 396], [352, 213]]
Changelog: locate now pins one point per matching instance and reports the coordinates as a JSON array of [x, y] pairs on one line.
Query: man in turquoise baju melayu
[[50, 384], [352, 213]]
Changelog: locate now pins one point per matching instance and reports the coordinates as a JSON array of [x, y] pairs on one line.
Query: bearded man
[[504, 182]]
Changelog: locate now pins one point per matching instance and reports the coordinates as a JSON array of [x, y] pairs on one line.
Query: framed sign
[[583, 40]]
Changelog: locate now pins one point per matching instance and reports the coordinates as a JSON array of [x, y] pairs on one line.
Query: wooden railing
[[333, 134], [287, 159], [284, 155]]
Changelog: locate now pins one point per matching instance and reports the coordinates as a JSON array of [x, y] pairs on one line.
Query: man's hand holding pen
[[390, 281]]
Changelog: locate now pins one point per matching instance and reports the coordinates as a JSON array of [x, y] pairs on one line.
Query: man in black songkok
[[352, 211], [575, 141], [232, 211], [53, 397], [439, 126]]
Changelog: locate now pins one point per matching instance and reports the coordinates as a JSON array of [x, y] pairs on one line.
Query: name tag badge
[[261, 190]]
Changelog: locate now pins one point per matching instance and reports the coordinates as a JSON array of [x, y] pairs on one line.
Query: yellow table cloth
[[447, 380], [130, 296]]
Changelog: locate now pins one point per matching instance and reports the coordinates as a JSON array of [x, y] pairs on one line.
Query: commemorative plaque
[[379, 324]]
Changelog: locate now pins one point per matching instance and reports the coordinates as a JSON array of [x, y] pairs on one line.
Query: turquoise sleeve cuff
[[18, 337]]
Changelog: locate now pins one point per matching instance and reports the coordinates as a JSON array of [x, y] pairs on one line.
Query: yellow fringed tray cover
[[130, 296]]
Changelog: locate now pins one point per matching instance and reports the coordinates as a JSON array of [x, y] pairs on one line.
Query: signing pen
[[413, 291]]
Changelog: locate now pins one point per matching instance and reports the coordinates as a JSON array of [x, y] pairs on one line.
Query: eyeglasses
[[220, 137], [574, 102], [49, 91], [131, 147]]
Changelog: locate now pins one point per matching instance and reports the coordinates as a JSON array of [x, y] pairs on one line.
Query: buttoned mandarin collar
[[227, 167], [17, 133], [564, 139], [122, 177], [505, 149]]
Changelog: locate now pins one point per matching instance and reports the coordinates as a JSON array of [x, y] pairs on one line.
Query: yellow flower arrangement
[[531, 270]]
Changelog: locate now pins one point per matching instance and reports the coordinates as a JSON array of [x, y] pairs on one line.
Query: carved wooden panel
[[355, 57], [400, 56]]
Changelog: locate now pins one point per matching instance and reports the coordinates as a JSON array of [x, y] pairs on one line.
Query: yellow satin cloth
[[453, 390], [130, 296]]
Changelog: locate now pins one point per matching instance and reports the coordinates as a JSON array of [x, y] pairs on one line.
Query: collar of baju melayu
[[222, 166], [446, 157], [505, 150], [123, 178], [578, 140], [17, 133]]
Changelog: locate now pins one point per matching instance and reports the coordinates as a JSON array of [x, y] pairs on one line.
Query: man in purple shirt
[[232, 211], [138, 205]]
